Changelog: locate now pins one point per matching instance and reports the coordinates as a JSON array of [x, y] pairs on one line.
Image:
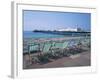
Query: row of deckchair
[[44, 52]]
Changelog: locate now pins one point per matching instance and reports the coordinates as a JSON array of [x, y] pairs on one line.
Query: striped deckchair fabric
[[46, 47], [33, 48]]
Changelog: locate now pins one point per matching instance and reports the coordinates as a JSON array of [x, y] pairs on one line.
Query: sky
[[46, 20]]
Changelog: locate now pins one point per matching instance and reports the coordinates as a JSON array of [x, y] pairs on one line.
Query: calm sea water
[[30, 34]]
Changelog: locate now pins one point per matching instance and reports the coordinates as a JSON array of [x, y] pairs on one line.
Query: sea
[[30, 34], [36, 35]]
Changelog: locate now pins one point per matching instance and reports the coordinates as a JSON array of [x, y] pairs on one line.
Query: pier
[[70, 33]]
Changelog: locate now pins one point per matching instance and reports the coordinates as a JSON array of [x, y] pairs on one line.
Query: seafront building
[[71, 29], [62, 29]]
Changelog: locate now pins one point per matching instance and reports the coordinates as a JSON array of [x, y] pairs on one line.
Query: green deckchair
[[86, 42], [33, 48], [75, 46], [58, 50], [55, 49], [45, 53], [64, 48]]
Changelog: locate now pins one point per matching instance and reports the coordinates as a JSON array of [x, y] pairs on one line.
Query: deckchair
[[33, 48], [65, 48], [86, 43], [55, 49], [74, 46], [44, 55], [59, 49]]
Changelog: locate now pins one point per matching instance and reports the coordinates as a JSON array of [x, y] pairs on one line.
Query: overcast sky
[[43, 20]]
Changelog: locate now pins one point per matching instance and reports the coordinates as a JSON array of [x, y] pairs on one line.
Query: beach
[[74, 60], [52, 51], [42, 40]]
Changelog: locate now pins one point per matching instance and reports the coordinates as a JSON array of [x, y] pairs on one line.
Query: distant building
[[79, 29], [70, 29]]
